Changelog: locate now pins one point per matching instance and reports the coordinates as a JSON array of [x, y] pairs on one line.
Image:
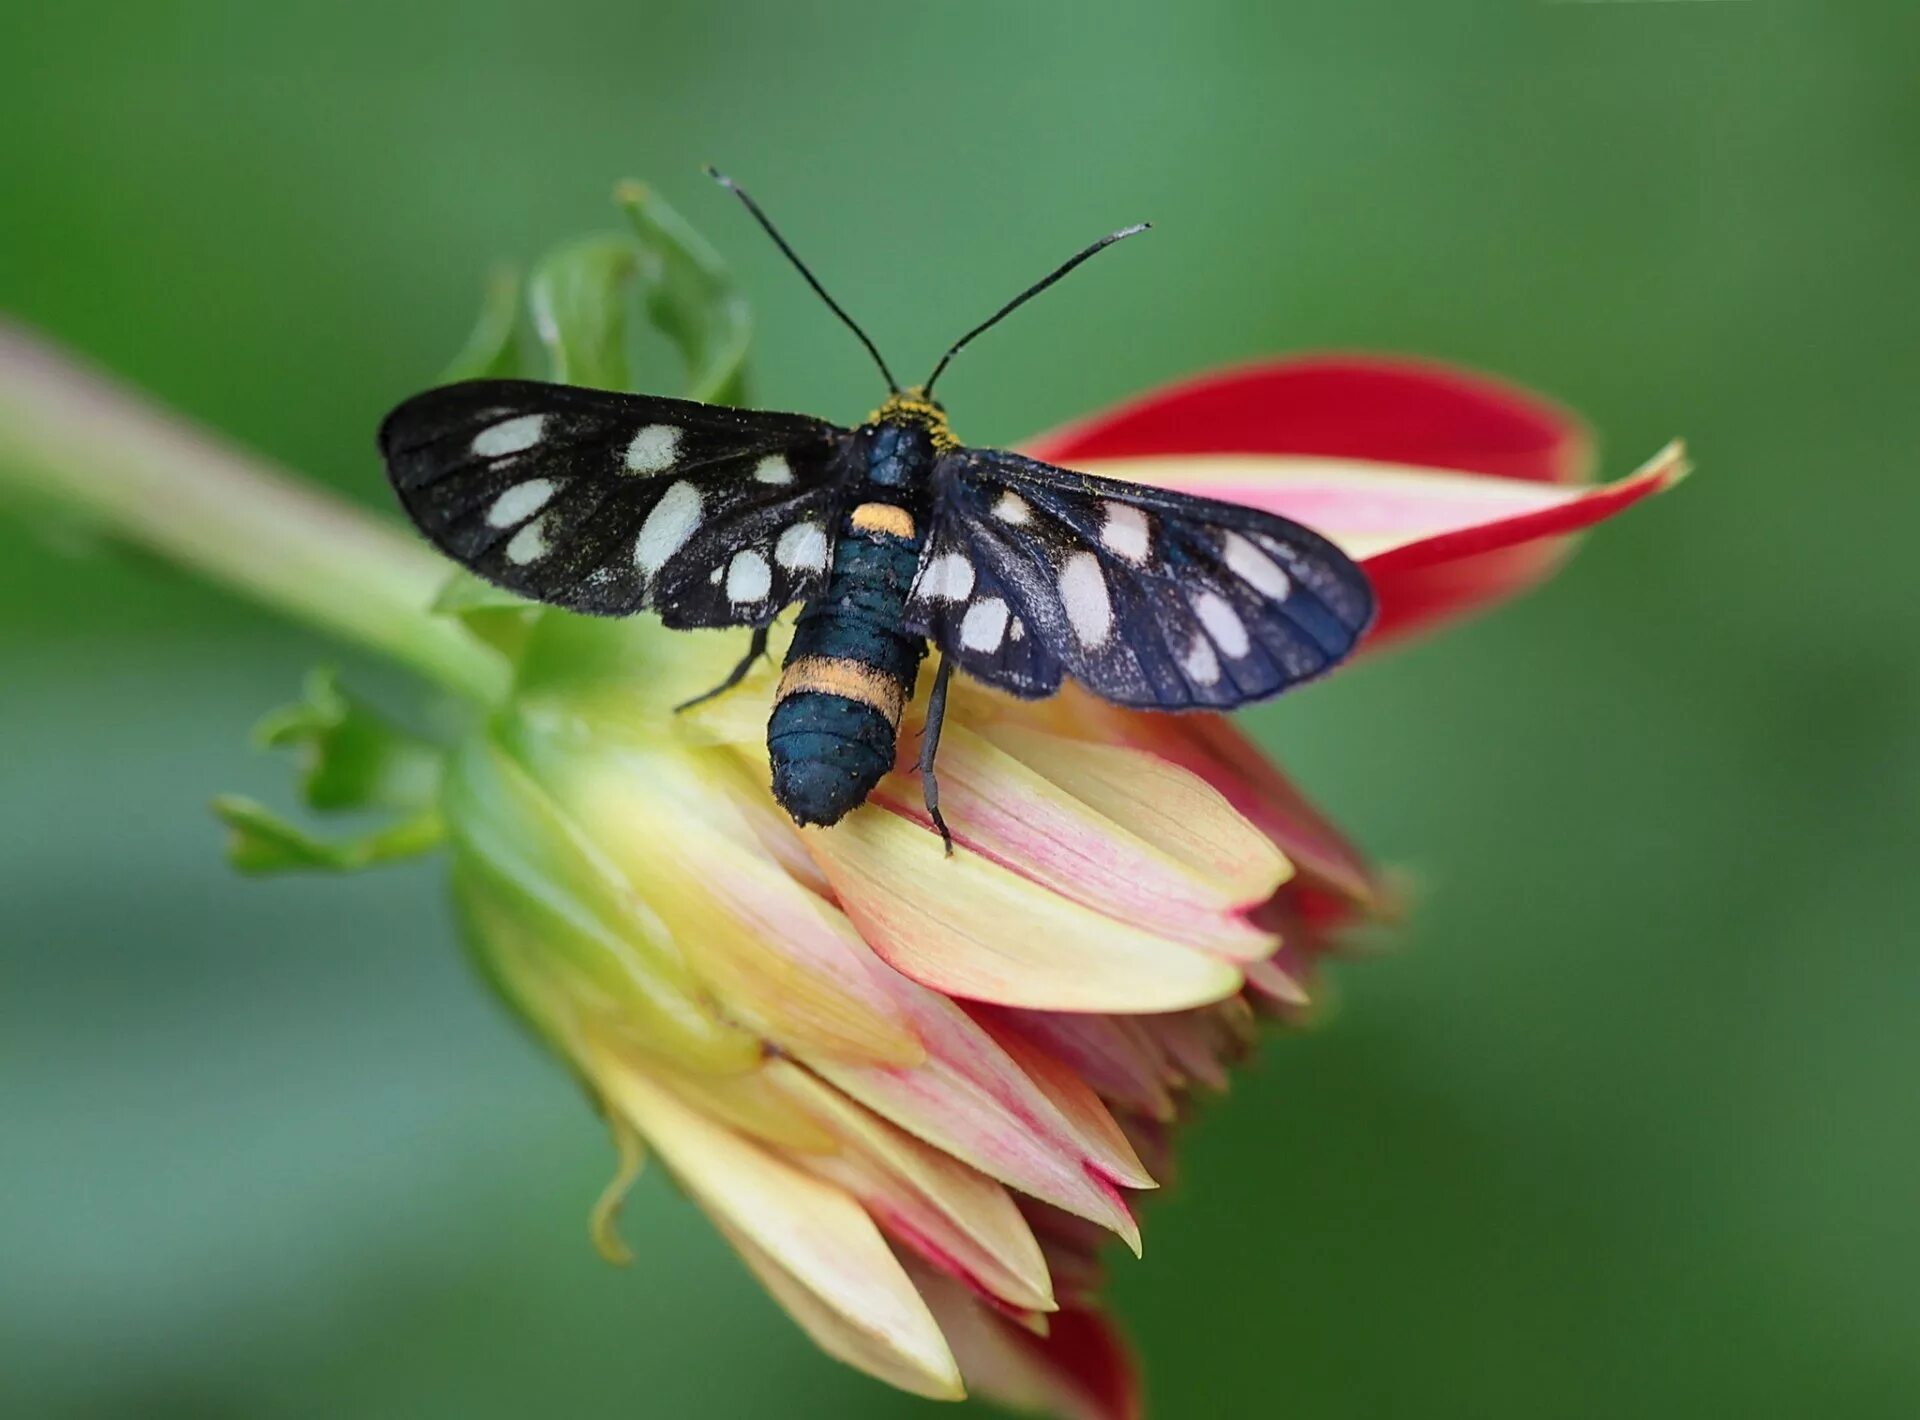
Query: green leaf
[[691, 297], [260, 841], [491, 351], [578, 295], [351, 756]]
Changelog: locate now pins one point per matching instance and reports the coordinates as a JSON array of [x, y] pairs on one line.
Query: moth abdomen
[[849, 673], [831, 736]]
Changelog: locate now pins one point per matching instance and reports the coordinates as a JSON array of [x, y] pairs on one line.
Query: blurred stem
[[93, 450]]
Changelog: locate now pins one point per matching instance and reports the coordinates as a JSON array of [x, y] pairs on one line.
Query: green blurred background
[[1627, 1127]]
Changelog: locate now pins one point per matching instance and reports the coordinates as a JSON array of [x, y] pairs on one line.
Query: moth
[[891, 537]]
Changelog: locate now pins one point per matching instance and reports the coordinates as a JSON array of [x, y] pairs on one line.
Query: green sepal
[[493, 349], [260, 841], [542, 897], [494, 614], [691, 297], [352, 757]]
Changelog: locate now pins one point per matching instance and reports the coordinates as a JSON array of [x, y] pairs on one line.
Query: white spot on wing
[[654, 449], [716, 574], [1018, 630], [1012, 509], [1083, 591], [749, 579], [520, 502], [984, 624], [1223, 624], [1124, 533], [1255, 568], [802, 547], [528, 545], [1200, 664], [773, 469], [949, 578], [510, 436], [667, 528]]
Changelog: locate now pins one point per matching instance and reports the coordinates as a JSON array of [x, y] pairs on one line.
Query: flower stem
[[89, 447]]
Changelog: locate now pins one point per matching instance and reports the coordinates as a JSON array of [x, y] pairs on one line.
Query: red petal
[[1341, 406], [1426, 581], [1081, 1370]]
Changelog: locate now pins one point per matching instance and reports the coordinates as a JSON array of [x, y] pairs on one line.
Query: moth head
[[916, 409]]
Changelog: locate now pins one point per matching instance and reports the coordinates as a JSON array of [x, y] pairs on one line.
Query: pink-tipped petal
[[1110, 1153], [1114, 829], [950, 1213], [1377, 408], [1193, 1045], [830, 1329], [973, 1101], [969, 927], [1111, 1053], [1213, 748], [812, 1246]]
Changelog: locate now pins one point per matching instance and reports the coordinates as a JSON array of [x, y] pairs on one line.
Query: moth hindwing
[[1147, 597], [613, 503]]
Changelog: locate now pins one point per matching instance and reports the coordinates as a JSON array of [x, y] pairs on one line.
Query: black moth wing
[[1147, 597], [609, 503]]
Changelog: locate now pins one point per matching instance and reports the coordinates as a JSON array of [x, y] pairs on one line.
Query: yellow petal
[[752, 1103], [812, 1246], [830, 1331], [775, 956], [969, 927]]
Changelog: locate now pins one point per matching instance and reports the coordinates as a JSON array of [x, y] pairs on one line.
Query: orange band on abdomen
[[851, 680], [884, 518]]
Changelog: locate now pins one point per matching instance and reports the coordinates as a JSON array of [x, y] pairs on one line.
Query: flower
[[916, 1093]]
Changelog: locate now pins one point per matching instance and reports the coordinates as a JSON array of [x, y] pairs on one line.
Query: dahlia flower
[[916, 1093]]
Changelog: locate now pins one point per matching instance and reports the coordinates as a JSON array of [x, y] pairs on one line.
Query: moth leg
[[930, 746], [738, 674]]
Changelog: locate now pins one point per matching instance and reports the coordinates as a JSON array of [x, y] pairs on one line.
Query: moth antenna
[[893, 385], [1027, 295]]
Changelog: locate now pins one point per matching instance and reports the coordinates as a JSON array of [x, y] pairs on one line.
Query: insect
[[889, 536]]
